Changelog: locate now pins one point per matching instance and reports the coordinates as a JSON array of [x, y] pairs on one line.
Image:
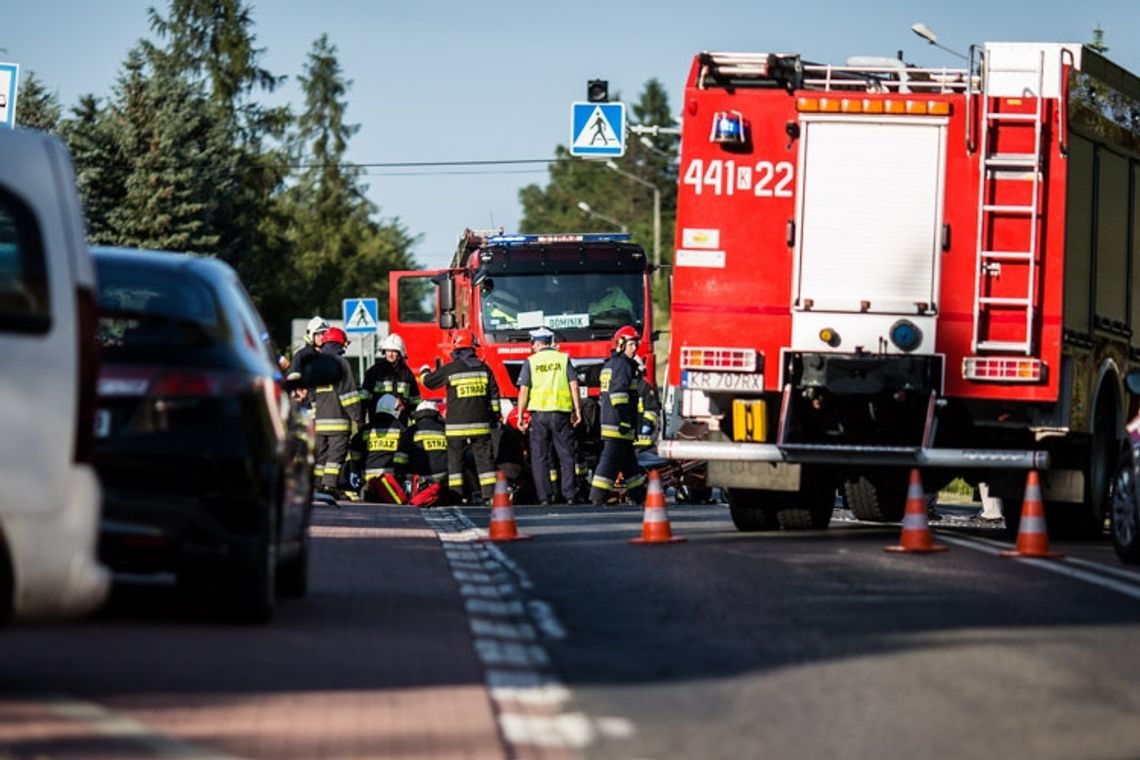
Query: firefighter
[[472, 412], [391, 374], [336, 406], [619, 416], [648, 409], [425, 441], [314, 333], [382, 452], [548, 389]]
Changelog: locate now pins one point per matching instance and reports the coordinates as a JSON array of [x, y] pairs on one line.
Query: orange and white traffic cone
[[916, 536], [503, 526], [1032, 537], [655, 525]]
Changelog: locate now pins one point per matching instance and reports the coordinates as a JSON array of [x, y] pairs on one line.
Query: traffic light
[[597, 91]]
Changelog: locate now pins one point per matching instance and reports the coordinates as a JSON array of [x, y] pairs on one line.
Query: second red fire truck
[[582, 286], [881, 267]]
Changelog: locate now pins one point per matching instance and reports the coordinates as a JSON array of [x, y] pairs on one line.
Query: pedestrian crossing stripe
[[597, 129], [360, 315]]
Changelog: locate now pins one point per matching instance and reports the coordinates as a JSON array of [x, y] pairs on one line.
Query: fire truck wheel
[[812, 506], [1125, 513], [877, 498], [749, 513]]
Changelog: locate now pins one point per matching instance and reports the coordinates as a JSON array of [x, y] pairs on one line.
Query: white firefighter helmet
[[427, 406], [394, 343], [314, 326], [387, 404]]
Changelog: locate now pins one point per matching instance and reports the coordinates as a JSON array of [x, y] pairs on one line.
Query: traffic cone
[[655, 526], [1032, 538], [503, 526], [916, 536]]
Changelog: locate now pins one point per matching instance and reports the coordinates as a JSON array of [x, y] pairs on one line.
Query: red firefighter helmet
[[629, 332], [335, 335], [462, 339]]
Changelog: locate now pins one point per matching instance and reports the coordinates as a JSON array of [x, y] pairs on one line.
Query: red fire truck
[[881, 267], [582, 286]]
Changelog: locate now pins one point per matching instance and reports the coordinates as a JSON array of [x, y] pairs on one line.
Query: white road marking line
[[505, 633], [1099, 576], [113, 724]]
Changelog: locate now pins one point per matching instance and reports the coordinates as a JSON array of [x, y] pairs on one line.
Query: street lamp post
[[926, 33], [588, 211], [656, 208]]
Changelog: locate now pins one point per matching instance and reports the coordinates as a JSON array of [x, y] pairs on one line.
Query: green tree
[[212, 41], [1097, 43], [178, 159], [340, 250], [100, 167], [37, 107]]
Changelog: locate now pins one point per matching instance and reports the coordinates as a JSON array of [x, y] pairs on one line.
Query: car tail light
[[88, 322], [730, 359], [1007, 369], [166, 383]]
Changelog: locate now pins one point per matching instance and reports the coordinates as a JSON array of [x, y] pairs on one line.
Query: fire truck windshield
[[577, 306]]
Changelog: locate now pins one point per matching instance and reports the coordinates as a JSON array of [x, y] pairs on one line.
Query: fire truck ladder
[[999, 171]]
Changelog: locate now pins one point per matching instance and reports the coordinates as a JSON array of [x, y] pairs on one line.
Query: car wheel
[[293, 576], [1126, 514], [255, 592]]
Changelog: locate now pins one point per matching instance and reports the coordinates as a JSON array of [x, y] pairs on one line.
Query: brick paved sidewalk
[[377, 662]]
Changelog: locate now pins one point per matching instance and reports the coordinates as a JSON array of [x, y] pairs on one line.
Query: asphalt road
[[419, 640]]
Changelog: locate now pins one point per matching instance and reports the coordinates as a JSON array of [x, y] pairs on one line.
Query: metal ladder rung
[[1003, 345], [1013, 159], [1011, 116], [1007, 255], [1001, 301], [993, 207]]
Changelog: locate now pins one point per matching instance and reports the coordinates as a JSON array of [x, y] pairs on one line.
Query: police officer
[[336, 407], [391, 374], [619, 417], [548, 389], [472, 411]]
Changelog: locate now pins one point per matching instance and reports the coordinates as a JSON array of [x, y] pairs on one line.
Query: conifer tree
[[100, 168], [341, 251], [37, 107]]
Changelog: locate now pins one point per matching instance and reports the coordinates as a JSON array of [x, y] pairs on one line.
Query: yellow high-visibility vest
[[549, 385]]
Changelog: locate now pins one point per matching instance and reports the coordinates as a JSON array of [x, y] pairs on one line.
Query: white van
[[49, 493]]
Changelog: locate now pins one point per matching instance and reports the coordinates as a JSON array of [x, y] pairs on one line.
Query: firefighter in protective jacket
[[619, 419], [425, 440], [391, 374], [472, 412], [382, 453], [336, 408]]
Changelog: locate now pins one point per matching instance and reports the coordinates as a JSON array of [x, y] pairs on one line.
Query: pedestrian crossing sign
[[597, 129], [361, 315]]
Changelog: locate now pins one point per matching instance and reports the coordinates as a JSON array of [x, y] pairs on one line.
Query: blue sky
[[453, 80]]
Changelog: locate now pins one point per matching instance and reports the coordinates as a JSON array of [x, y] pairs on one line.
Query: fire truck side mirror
[[445, 298]]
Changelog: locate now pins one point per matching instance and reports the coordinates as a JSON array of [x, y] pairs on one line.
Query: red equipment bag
[[386, 489], [425, 494]]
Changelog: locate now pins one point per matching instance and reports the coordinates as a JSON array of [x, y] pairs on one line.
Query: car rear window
[[153, 307], [24, 303]]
